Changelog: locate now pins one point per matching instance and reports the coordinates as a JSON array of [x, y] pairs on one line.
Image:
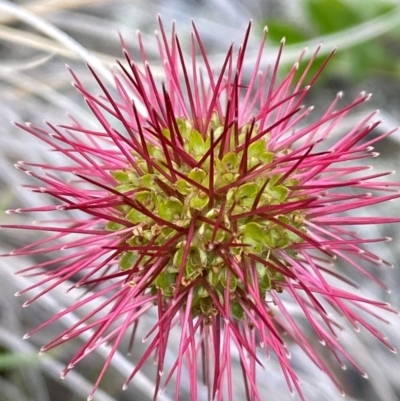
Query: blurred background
[[37, 39]]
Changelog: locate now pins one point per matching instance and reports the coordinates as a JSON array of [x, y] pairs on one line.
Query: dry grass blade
[[44, 6], [20, 37], [55, 33]]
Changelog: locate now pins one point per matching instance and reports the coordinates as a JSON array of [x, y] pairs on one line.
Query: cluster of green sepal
[[252, 234]]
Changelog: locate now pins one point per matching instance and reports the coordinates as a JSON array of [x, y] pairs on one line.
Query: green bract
[[222, 205]]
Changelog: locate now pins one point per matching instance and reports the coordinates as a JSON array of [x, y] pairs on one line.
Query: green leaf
[[125, 187], [121, 176], [237, 310], [253, 234], [196, 143], [177, 260], [203, 257], [261, 269], [224, 280], [280, 193], [202, 292], [197, 174], [171, 209], [230, 160], [213, 278], [199, 201], [256, 149], [266, 157], [184, 127], [276, 237], [145, 198], [229, 177], [264, 283], [246, 191], [293, 237], [135, 217], [113, 226], [147, 180], [157, 153], [273, 180], [183, 187], [166, 132], [166, 283], [128, 260]]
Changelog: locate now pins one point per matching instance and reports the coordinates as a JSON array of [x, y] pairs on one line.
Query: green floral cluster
[[220, 206]]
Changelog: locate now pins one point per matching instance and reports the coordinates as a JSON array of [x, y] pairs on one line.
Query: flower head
[[211, 198]]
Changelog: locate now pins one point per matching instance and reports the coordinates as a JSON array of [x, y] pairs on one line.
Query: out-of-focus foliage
[[318, 18]]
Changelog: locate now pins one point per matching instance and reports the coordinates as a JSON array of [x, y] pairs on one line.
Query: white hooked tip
[[364, 375], [339, 95], [26, 336], [125, 387], [265, 30], [18, 165], [283, 40]]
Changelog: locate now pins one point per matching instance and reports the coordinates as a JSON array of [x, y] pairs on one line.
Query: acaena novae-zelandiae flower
[[211, 198]]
